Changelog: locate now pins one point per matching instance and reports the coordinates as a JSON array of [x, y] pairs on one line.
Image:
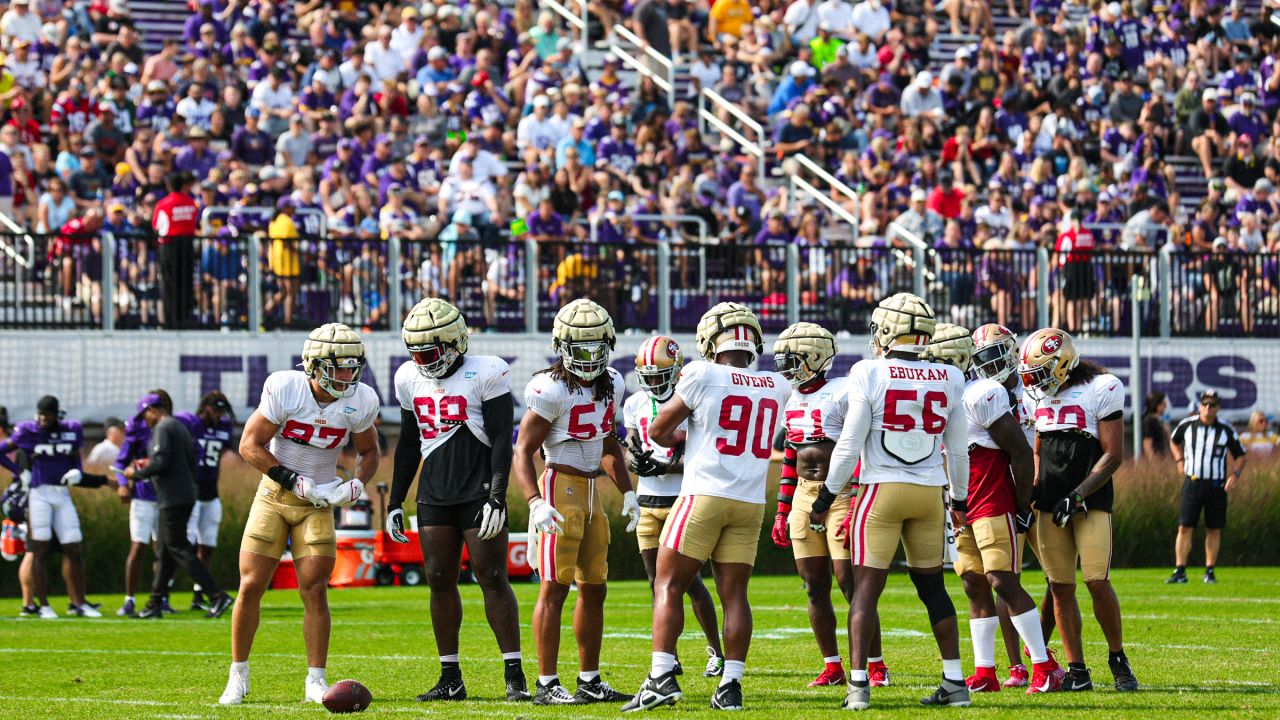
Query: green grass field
[[1200, 651]]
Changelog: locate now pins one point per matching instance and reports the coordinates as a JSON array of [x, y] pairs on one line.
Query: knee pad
[[932, 591]]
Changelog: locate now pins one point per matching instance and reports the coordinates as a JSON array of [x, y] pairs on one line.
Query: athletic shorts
[[463, 516], [1203, 495], [989, 544], [707, 527], [143, 517], [277, 517], [580, 553], [890, 512], [1086, 538], [50, 512], [1026, 541], [805, 542], [202, 528], [654, 511]]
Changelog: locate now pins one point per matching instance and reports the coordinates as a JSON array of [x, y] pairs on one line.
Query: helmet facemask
[[433, 360], [1041, 378], [794, 367], [995, 362], [325, 373], [585, 359], [658, 383]]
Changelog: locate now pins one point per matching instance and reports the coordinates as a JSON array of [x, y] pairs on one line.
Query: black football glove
[[395, 525], [1023, 519], [492, 518], [645, 465], [1068, 507]]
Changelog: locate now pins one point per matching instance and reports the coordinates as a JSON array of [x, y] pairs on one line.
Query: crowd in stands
[[459, 127]]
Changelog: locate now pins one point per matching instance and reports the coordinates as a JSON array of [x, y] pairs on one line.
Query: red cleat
[[831, 675], [878, 674], [1046, 677], [983, 679], [1017, 676]]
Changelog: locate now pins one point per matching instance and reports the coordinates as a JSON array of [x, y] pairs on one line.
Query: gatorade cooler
[[13, 540], [286, 575], [354, 566]]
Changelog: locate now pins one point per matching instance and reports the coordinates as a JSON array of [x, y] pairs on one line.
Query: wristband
[[824, 500], [283, 475], [959, 505]]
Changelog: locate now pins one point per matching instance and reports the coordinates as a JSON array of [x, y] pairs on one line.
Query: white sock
[[662, 664], [983, 634], [545, 680], [1028, 625], [517, 655], [317, 674], [858, 675], [240, 666], [195, 588], [129, 599], [952, 670], [877, 659], [733, 670], [448, 658], [834, 659], [587, 676]]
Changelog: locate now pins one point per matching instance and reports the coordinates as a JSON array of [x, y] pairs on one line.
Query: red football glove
[[843, 532], [781, 531]]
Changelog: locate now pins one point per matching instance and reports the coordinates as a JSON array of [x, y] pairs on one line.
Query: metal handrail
[[20, 234], [707, 116], [919, 250], [701, 222], [804, 163], [205, 229], [564, 12], [622, 32], [634, 63]]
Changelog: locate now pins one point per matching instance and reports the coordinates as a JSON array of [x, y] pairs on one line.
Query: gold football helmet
[[729, 326], [436, 335], [658, 363], [328, 349], [902, 322], [951, 345], [995, 352], [802, 351], [1047, 359], [583, 337]]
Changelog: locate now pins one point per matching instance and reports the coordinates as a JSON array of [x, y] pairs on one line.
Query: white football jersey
[[579, 424], [1026, 408], [912, 404], [985, 401], [817, 415], [735, 414], [1080, 407], [637, 413], [312, 435], [442, 405]]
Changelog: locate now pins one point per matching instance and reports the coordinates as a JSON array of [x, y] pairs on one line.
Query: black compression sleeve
[[498, 425], [89, 480], [408, 457]]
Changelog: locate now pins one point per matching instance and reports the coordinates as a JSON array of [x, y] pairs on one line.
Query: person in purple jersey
[[212, 426], [140, 496], [49, 462]]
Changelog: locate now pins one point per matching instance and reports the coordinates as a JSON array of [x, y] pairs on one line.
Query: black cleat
[[728, 696], [166, 607], [1077, 680], [1120, 670], [951, 692], [152, 611], [598, 691], [1178, 577], [198, 601], [445, 689], [1209, 578], [679, 669], [30, 611], [655, 692], [554, 694], [517, 690], [219, 605]]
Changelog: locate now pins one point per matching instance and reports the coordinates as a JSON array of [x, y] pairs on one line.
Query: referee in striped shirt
[[1201, 444]]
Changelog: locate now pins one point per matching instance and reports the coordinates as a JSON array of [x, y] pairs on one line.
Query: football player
[[732, 412], [1079, 444], [813, 418], [49, 448], [212, 426], [140, 496], [462, 407], [1001, 469], [294, 438], [659, 472], [995, 357], [902, 410], [570, 417]]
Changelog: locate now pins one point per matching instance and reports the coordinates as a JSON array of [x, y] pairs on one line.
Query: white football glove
[[394, 525], [493, 519], [24, 477], [545, 518], [345, 493], [72, 477], [631, 509], [305, 488]]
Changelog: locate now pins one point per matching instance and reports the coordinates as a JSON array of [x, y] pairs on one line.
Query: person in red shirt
[[946, 199], [77, 243], [28, 128], [175, 226], [1074, 251]]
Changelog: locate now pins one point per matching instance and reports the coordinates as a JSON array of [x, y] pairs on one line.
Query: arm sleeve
[[160, 457], [545, 397], [956, 437], [498, 414], [1178, 433], [408, 457], [857, 424], [787, 485], [1233, 442], [5, 461]]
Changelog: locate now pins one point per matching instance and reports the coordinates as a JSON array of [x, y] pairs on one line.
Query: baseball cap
[[437, 53], [285, 203], [462, 217], [149, 400], [254, 112], [48, 404], [616, 195], [1211, 394], [802, 69], [918, 195], [924, 78], [541, 101], [114, 207], [1210, 94], [1248, 98]]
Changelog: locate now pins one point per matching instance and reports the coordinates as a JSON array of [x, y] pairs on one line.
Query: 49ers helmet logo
[[672, 348], [1051, 344]]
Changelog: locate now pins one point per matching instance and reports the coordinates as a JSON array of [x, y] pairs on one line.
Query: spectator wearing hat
[[250, 144], [275, 99], [796, 135], [283, 260], [174, 223], [1207, 131], [800, 75], [204, 15], [1242, 167], [196, 158], [922, 99], [407, 36], [19, 23]]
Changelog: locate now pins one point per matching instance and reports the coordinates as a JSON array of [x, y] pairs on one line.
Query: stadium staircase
[[159, 20]]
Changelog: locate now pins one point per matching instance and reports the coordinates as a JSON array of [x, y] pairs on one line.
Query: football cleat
[[983, 679], [655, 692], [828, 677], [1178, 577], [1018, 676], [599, 691], [151, 611], [728, 696], [679, 669], [878, 674], [314, 690], [554, 693], [953, 693], [715, 664], [237, 688], [517, 689], [129, 609], [858, 697], [1123, 674], [85, 611], [29, 611], [1077, 680], [445, 689], [166, 607], [48, 613], [219, 605], [198, 601], [1209, 578], [1047, 678]]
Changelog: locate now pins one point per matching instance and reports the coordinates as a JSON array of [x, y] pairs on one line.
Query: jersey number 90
[[751, 427]]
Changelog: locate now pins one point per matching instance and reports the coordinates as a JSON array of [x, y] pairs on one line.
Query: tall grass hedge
[[1145, 521]]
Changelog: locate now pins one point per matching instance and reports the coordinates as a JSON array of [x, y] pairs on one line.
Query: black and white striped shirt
[[1205, 447]]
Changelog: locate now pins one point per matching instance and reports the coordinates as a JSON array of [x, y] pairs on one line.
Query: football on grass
[[347, 696]]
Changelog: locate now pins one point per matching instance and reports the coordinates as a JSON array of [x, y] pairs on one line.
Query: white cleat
[[87, 611], [237, 688], [315, 690], [48, 613]]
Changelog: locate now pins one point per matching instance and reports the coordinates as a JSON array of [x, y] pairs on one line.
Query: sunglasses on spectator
[[1209, 403]]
